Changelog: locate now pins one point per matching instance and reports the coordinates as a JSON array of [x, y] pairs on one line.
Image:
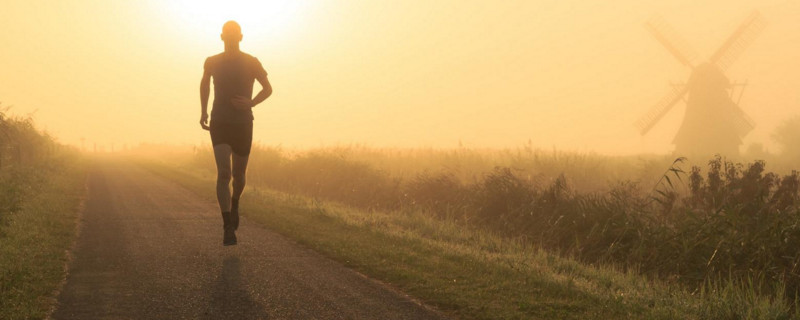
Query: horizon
[[562, 75]]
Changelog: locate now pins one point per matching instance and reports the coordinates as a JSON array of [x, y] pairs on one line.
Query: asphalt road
[[149, 249]]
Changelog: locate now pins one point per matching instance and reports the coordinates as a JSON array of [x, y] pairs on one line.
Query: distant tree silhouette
[[787, 135]]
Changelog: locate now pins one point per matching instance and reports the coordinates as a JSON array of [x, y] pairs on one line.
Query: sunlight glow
[[258, 18]]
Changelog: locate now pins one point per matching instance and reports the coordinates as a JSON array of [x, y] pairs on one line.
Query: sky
[[573, 75]]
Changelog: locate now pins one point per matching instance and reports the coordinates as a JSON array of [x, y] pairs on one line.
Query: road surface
[[149, 249]]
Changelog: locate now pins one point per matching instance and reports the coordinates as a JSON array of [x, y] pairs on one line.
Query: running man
[[231, 125]]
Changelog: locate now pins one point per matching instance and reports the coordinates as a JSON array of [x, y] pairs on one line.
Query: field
[[518, 233], [721, 232]]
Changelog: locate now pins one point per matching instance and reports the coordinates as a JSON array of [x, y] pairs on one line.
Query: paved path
[[149, 249]]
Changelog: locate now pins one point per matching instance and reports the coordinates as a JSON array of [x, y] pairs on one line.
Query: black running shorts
[[237, 135]]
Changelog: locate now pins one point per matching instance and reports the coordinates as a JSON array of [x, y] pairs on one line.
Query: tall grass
[[22, 147], [41, 184], [733, 223]]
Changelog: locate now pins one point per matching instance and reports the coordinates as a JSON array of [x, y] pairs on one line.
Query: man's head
[[231, 32]]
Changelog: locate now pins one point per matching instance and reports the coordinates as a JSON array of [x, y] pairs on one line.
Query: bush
[[22, 147], [786, 135], [441, 194], [735, 222]]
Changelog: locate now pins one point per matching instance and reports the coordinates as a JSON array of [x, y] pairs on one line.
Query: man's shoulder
[[223, 59], [215, 57], [223, 55], [249, 56], [212, 60]]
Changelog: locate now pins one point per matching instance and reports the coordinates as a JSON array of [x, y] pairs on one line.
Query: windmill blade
[[646, 122], [667, 36], [733, 47], [742, 122]]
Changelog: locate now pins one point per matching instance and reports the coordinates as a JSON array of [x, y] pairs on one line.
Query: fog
[[572, 75]]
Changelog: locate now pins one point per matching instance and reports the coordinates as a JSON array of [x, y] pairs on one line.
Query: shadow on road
[[230, 298]]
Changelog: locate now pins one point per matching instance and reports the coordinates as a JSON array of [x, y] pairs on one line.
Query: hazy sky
[[569, 74]]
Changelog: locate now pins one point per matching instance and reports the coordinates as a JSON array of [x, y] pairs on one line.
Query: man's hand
[[242, 102], [204, 121]]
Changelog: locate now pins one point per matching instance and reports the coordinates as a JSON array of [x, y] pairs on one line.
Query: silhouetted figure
[[231, 124]]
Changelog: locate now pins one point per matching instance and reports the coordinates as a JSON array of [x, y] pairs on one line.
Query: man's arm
[[245, 102], [205, 91], [266, 90]]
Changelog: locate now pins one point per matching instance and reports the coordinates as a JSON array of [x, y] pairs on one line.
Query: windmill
[[714, 122]]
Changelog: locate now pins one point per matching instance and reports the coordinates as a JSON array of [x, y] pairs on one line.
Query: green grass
[[731, 221], [35, 234], [472, 273]]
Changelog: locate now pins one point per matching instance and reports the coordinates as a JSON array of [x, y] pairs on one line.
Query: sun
[[258, 18]]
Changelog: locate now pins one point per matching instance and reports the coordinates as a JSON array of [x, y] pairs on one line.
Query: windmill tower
[[713, 123]]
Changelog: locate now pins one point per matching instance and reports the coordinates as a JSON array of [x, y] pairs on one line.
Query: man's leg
[[222, 155], [239, 179]]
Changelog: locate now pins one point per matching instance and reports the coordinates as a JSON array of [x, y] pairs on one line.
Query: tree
[[787, 135]]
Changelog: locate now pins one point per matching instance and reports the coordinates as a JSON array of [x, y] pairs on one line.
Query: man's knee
[[239, 172], [224, 176], [239, 176]]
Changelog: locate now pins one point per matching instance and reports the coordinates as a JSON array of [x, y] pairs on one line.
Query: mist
[[549, 159], [570, 75]]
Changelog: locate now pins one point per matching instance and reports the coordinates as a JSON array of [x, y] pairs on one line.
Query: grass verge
[[35, 235], [476, 274]]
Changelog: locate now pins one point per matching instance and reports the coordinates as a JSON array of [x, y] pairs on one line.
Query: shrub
[[786, 135], [21, 147], [736, 221]]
